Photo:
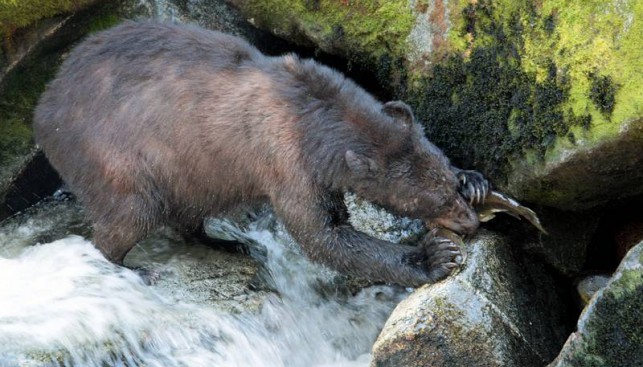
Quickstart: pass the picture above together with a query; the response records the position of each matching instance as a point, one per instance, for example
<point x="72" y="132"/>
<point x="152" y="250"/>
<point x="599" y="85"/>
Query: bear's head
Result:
<point x="403" y="172"/>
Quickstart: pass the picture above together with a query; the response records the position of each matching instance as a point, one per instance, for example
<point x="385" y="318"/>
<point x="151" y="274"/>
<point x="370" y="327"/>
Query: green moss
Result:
<point x="594" y="41"/>
<point x="20" y="13"/>
<point x="482" y="107"/>
<point x="21" y="90"/>
<point x="519" y="87"/>
<point x="360" y="30"/>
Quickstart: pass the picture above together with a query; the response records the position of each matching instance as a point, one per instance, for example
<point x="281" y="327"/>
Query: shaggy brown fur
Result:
<point x="152" y="124"/>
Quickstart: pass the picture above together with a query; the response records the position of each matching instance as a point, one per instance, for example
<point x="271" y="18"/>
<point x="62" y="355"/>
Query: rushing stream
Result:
<point x="62" y="303"/>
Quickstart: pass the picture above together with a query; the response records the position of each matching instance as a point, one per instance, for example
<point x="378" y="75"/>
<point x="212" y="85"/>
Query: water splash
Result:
<point x="63" y="304"/>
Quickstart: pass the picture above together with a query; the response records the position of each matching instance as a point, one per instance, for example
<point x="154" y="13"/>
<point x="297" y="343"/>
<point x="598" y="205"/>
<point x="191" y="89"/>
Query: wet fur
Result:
<point x="152" y="124"/>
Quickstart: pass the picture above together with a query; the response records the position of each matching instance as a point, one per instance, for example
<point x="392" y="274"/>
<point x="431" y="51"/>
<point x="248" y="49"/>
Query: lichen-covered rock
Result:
<point x="543" y="97"/>
<point x="478" y="317"/>
<point x="610" y="329"/>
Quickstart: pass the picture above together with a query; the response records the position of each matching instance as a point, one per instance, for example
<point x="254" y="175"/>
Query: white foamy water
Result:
<point x="62" y="303"/>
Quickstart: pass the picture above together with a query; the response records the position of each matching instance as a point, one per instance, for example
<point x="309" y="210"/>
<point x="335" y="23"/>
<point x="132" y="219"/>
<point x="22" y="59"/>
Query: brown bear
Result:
<point x="153" y="124"/>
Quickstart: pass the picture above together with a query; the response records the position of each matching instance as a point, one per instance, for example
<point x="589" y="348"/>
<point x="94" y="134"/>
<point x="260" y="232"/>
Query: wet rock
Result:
<point x="512" y="89"/>
<point x="33" y="183"/>
<point x="198" y="274"/>
<point x="478" y="317"/>
<point x="610" y="329"/>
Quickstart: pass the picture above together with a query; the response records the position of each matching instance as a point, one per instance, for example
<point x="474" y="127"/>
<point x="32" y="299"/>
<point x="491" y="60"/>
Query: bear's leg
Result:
<point x="320" y="226"/>
<point x="121" y="224"/>
<point x="116" y="240"/>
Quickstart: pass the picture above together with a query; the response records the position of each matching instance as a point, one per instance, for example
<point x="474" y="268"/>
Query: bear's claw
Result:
<point x="442" y="256"/>
<point x="473" y="186"/>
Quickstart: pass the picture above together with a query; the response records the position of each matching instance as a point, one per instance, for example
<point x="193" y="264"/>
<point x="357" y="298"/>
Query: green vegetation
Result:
<point x="20" y="13"/>
<point x="526" y="79"/>
<point x="20" y="92"/>
<point x="360" y="30"/>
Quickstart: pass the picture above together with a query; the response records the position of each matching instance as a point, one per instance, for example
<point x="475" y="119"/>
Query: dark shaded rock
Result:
<point x="610" y="329"/>
<point x="566" y="246"/>
<point x="585" y="177"/>
<point x="477" y="317"/>
<point x="36" y="181"/>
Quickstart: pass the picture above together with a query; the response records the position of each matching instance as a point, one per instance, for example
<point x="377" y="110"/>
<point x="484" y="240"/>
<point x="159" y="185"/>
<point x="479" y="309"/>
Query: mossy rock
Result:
<point x="527" y="92"/>
<point x="16" y="14"/>
<point x="610" y="329"/>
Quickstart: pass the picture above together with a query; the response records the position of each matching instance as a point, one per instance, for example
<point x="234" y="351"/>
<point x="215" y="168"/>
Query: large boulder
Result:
<point x="544" y="97"/>
<point x="502" y="309"/>
<point x="610" y="329"/>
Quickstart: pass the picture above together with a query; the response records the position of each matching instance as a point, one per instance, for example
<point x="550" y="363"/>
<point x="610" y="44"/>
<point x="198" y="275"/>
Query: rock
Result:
<point x="566" y="246"/>
<point x="542" y="97"/>
<point x="190" y="272"/>
<point x="587" y="287"/>
<point x="377" y="222"/>
<point x="628" y="234"/>
<point x="20" y="14"/>
<point x="34" y="182"/>
<point x="478" y="317"/>
<point x="610" y="329"/>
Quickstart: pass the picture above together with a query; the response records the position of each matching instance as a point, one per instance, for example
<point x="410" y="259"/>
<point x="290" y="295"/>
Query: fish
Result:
<point x="497" y="202"/>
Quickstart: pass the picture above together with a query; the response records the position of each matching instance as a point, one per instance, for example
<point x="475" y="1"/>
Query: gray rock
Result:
<point x="377" y="222"/>
<point x="197" y="274"/>
<point x="588" y="287"/>
<point x="500" y="310"/>
<point x="610" y="329"/>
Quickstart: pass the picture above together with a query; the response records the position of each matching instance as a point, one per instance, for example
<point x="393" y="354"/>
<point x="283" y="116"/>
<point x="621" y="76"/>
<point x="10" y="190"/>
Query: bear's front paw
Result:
<point x="442" y="256"/>
<point x="473" y="186"/>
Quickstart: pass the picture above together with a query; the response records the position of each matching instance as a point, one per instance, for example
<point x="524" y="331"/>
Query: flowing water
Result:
<point x="62" y="303"/>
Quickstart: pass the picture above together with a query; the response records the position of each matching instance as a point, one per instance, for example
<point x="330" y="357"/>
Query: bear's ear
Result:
<point x="361" y="165"/>
<point x="400" y="111"/>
